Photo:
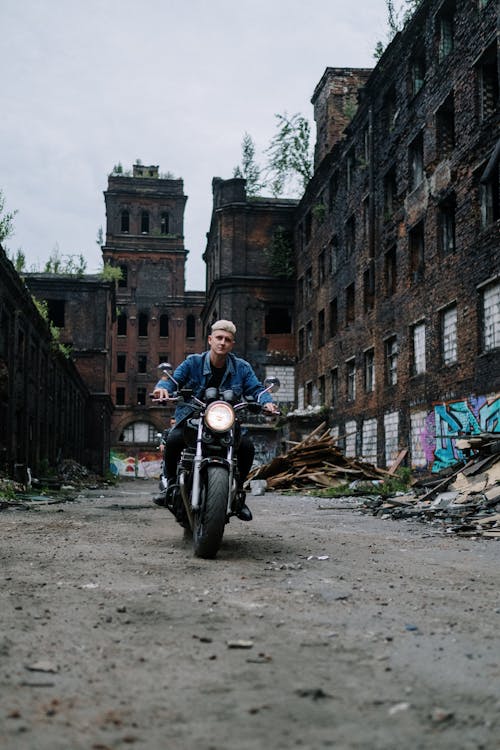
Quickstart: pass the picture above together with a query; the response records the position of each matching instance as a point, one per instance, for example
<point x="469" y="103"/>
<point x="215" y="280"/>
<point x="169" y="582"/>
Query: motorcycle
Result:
<point x="208" y="490"/>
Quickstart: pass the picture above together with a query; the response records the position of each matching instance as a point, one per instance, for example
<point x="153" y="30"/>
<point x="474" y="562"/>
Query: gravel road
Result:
<point x="316" y="627"/>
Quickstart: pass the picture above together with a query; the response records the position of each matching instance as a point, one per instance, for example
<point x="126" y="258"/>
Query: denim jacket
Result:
<point x="195" y="373"/>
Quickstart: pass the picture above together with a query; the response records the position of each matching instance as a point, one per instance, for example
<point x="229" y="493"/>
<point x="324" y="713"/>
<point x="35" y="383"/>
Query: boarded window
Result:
<point x="369" y="441"/>
<point x="449" y="335"/>
<point x="391" y="444"/>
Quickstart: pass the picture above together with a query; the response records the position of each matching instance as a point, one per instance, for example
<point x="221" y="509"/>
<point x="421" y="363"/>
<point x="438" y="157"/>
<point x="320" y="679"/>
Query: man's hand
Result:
<point x="271" y="408"/>
<point x="161" y="394"/>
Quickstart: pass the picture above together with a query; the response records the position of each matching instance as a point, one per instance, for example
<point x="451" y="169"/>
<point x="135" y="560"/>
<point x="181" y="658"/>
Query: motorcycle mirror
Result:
<point x="166" y="368"/>
<point x="272" y="384"/>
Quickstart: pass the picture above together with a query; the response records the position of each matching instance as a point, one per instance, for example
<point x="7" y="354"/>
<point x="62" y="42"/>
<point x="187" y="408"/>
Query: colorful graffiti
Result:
<point x="455" y="419"/>
<point x="142" y="466"/>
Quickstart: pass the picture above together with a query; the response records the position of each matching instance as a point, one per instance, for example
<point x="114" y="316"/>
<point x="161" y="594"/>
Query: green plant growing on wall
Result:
<point x="396" y="21"/>
<point x="6" y="220"/>
<point x="42" y="307"/>
<point x="290" y="153"/>
<point x="111" y="273"/>
<point x="65" y="265"/>
<point x="249" y="168"/>
<point x="280" y="254"/>
<point x="319" y="211"/>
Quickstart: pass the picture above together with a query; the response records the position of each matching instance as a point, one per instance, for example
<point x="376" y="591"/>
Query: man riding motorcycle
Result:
<point x="217" y="368"/>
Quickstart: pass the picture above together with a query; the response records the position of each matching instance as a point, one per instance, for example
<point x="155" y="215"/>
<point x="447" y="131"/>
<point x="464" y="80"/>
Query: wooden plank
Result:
<point x="398" y="460"/>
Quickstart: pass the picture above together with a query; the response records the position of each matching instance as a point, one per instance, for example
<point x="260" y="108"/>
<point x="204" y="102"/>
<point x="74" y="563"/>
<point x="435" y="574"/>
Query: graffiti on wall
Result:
<point x="451" y="420"/>
<point x="143" y="466"/>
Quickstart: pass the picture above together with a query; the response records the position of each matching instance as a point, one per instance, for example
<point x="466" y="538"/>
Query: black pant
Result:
<point x="175" y="444"/>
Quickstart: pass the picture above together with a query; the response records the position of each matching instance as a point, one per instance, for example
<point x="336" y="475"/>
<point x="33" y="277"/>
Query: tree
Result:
<point x="67" y="265"/>
<point x="396" y="21"/>
<point x="249" y="168"/>
<point x="290" y="154"/>
<point x="6" y="220"/>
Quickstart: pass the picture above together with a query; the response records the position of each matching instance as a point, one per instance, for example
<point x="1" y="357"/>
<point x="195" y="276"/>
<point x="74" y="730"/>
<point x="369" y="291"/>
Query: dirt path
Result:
<point x="352" y="632"/>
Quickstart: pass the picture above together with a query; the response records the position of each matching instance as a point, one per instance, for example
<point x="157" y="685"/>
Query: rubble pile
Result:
<point x="464" y="501"/>
<point x="315" y="461"/>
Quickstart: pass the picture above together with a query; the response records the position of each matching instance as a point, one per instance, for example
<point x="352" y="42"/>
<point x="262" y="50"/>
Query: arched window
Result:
<point x="145" y="222"/>
<point x="190" y="327"/>
<point x="164" y="223"/>
<point x="121" y="323"/>
<point x="163" y="325"/>
<point x="139" y="432"/>
<point x="125" y="221"/>
<point x="143" y="324"/>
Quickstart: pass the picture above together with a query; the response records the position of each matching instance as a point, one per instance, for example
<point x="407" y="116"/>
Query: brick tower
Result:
<point x="157" y="320"/>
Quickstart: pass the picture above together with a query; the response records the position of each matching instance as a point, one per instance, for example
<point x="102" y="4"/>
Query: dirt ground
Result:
<point x="316" y="627"/>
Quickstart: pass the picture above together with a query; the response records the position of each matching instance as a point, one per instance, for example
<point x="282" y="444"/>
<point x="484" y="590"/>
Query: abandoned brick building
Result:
<point x="397" y="242"/>
<point x="49" y="409"/>
<point x="157" y="320"/>
<point x="249" y="280"/>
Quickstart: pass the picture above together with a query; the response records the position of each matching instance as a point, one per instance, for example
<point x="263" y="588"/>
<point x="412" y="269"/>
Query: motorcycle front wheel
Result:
<point x="209" y="520"/>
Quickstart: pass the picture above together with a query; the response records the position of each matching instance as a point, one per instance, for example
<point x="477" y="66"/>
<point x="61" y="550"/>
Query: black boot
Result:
<point x="244" y="513"/>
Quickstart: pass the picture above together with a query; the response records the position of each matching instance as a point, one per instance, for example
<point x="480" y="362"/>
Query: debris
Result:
<point x="398" y="707"/>
<point x="465" y="500"/>
<point x="43" y="666"/>
<point x="316" y="460"/>
<point x="240" y="644"/>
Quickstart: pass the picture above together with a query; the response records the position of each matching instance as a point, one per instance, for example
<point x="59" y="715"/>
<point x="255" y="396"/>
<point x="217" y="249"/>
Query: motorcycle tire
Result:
<point x="210" y="519"/>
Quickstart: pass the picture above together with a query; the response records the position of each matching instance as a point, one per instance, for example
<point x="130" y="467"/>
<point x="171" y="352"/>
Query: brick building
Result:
<point x="397" y="242"/>
<point x="47" y="411"/>
<point x="157" y="320"/>
<point x="250" y="277"/>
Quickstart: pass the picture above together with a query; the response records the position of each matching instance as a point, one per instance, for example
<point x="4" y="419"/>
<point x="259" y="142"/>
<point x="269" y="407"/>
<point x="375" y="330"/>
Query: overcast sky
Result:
<point x="90" y="83"/>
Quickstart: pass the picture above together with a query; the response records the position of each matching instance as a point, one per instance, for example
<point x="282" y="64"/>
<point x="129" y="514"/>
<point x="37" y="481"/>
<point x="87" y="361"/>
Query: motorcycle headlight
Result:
<point x="219" y="416"/>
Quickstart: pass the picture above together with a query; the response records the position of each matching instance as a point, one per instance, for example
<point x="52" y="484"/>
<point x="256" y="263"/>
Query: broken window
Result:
<point x="142" y="363"/>
<point x="351" y="379"/>
<point x="321" y="328"/>
<point x="446" y="225"/>
<point x="488" y="83"/>
<point x="445" y="127"/>
<point x="164" y="223"/>
<point x="56" y="312"/>
<point x="445" y="30"/>
<point x="321" y="390"/>
<point x="350" y="236"/>
<point x="278" y="320"/>
<point x="491" y="316"/>
<point x="144" y="222"/>
<point x="300" y="293"/>
<point x="416" y="161"/>
<point x="369" y="370"/>
<point x="163" y="325"/>
<point x="123" y="280"/>
<point x="121" y="362"/>
<point x="309" y="337"/>
<point x="334" y="255"/>
<point x="417" y="72"/>
<point x="390" y="193"/>
<point x="190" y="327"/>
<point x="121" y="324"/>
<point x="334" y="321"/>
<point x="143" y="324"/>
<point x="120" y="396"/>
<point x="390" y="270"/>
<point x="334" y="386"/>
<point x="322" y="267"/>
<point x="369" y="286"/>
<point x="391" y="360"/>
<point x="333" y="186"/>
<point x="349" y="304"/>
<point x="449" y="335"/>
<point x="489" y="191"/>
<point x="125" y="221"/>
<point x="389" y="111"/>
<point x="417" y="257"/>
<point x="418" y="349"/>
<point x="141" y="396"/>
<point x="308" y="285"/>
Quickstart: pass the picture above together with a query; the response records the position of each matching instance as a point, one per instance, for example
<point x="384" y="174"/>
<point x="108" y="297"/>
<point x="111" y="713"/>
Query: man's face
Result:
<point x="221" y="342"/>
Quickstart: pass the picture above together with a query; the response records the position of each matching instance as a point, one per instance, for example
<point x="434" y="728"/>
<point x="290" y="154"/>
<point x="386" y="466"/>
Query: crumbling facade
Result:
<point x="157" y="320"/>
<point x="397" y="243"/>
<point x="250" y="277"/>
